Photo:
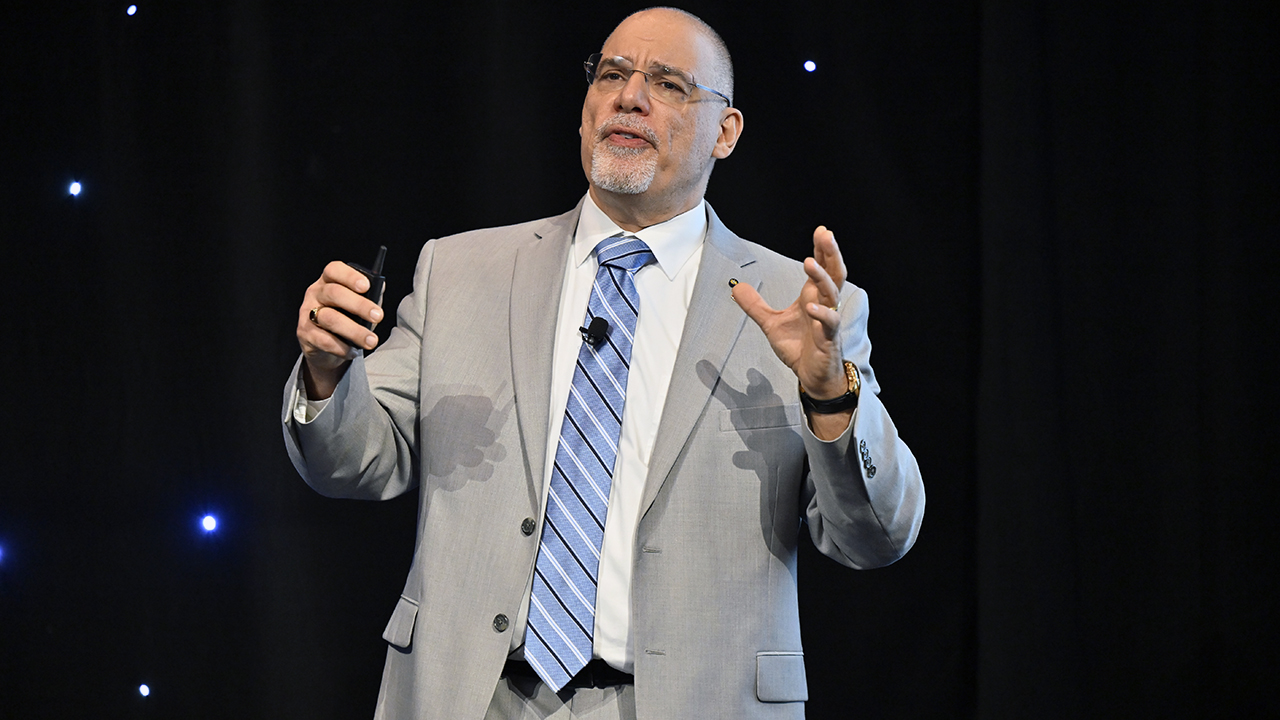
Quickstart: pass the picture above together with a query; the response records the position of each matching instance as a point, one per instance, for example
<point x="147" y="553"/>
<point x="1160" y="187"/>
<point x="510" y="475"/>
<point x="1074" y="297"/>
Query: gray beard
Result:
<point x="627" y="171"/>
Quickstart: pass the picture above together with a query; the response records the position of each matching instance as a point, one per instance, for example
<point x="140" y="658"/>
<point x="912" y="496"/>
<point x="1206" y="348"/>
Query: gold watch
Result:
<point x="847" y="401"/>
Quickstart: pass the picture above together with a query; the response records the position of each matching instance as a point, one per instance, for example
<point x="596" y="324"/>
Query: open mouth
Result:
<point x="627" y="139"/>
<point x="625" y="135"/>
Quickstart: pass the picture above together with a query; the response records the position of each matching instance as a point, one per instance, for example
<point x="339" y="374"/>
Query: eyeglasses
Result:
<point x="672" y="86"/>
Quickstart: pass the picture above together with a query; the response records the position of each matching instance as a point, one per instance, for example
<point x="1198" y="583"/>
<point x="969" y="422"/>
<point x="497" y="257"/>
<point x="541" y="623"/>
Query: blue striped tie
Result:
<point x="562" y="609"/>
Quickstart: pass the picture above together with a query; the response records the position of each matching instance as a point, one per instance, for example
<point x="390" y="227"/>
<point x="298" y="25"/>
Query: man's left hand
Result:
<point x="803" y="335"/>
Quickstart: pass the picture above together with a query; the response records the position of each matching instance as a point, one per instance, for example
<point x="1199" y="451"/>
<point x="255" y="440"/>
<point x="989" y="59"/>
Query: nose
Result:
<point x="634" y="95"/>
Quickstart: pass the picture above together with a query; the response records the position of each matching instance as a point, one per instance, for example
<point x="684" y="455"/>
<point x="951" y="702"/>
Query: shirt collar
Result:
<point x="673" y="242"/>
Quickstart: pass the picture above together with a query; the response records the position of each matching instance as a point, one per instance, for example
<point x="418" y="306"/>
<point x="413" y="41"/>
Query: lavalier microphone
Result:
<point x="594" y="333"/>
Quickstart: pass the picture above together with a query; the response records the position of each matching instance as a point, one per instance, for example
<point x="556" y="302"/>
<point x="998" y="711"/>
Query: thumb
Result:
<point x="751" y="303"/>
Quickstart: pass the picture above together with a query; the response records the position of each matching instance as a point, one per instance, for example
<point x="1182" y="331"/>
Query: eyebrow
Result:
<point x="655" y="63"/>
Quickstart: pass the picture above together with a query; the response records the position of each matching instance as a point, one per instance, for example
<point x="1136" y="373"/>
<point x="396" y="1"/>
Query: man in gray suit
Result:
<point x="610" y="506"/>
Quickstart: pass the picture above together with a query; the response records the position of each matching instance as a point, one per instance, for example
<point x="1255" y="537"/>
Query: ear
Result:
<point x="730" y="131"/>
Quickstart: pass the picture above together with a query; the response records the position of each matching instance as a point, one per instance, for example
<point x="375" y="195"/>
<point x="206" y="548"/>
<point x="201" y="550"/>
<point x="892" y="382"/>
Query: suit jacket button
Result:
<point x="500" y="623"/>
<point x="528" y="526"/>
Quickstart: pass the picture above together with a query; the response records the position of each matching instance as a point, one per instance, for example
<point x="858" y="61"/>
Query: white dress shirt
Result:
<point x="665" y="289"/>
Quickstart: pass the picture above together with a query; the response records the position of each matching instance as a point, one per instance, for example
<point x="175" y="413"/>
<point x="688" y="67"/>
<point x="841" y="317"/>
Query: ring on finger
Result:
<point x="314" y="311"/>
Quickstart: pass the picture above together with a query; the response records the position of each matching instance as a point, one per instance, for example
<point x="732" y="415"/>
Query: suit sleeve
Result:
<point x="362" y="445"/>
<point x="863" y="497"/>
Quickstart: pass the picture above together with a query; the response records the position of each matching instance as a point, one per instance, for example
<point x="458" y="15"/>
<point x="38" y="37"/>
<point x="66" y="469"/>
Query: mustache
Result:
<point x="630" y="123"/>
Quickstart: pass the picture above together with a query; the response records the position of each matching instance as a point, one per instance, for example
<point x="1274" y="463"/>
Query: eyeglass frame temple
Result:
<point x="591" y="78"/>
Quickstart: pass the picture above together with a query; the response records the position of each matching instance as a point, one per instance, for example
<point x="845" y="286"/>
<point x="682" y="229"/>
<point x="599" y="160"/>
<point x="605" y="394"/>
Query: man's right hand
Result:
<point x="329" y="339"/>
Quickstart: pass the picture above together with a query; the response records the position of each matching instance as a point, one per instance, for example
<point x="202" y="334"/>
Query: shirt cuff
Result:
<point x="808" y="426"/>
<point x="305" y="410"/>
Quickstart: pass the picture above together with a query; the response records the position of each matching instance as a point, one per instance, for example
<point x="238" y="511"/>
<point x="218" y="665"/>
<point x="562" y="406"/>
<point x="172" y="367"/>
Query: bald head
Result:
<point x="718" y="72"/>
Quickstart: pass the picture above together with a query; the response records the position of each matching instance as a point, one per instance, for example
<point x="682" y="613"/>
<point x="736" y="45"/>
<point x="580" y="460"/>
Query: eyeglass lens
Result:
<point x="668" y="84"/>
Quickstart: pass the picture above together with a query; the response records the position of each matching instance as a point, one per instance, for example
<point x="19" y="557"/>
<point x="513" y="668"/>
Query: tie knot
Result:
<point x="625" y="252"/>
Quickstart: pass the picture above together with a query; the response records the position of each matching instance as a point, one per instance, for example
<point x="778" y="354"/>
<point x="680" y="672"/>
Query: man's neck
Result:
<point x="632" y="213"/>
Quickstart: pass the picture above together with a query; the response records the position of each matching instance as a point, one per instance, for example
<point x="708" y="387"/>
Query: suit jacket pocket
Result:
<point x="780" y="677"/>
<point x="399" y="630"/>
<point x="760" y="418"/>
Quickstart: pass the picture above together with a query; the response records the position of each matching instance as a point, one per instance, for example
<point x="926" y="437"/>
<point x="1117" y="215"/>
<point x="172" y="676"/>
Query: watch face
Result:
<point x="851" y="372"/>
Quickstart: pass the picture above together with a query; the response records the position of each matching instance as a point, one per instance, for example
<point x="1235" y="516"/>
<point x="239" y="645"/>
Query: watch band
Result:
<point x="847" y="401"/>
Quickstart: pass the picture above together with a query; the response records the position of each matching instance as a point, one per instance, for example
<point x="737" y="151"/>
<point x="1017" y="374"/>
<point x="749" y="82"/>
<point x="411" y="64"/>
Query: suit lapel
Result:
<point x="710" y="330"/>
<point x="535" y="303"/>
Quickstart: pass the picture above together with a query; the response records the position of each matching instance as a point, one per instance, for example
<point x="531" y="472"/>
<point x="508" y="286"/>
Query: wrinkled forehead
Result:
<point x="659" y="37"/>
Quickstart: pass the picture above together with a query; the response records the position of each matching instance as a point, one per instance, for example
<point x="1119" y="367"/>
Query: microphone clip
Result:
<point x="595" y="332"/>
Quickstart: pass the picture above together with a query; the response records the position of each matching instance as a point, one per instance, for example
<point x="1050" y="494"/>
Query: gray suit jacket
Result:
<point x="456" y="403"/>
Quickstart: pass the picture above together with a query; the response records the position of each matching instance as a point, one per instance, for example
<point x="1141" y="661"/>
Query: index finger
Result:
<point x="826" y="252"/>
<point x="343" y="274"/>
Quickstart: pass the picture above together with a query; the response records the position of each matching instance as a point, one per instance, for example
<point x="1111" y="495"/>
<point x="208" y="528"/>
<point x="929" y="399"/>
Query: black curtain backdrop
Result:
<point x="1065" y="215"/>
